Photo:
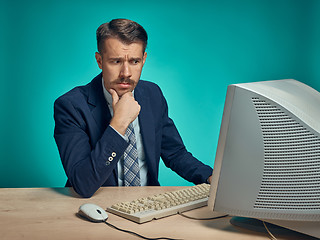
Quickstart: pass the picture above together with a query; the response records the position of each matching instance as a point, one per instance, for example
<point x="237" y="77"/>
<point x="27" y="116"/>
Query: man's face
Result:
<point x="121" y="65"/>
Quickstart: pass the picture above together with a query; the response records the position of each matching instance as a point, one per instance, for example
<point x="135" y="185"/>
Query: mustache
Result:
<point x="124" y="80"/>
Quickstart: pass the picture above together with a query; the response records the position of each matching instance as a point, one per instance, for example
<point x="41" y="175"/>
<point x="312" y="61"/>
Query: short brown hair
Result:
<point x="125" y="30"/>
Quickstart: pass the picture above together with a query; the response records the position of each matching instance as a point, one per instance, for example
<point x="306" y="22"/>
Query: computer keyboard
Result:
<point x="163" y="204"/>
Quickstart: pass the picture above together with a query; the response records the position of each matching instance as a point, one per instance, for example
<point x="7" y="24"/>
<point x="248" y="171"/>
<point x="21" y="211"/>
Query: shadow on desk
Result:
<point x="224" y="224"/>
<point x="286" y="234"/>
<point x="66" y="191"/>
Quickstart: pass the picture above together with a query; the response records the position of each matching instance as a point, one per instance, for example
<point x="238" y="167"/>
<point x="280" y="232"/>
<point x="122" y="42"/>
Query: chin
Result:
<point x="122" y="92"/>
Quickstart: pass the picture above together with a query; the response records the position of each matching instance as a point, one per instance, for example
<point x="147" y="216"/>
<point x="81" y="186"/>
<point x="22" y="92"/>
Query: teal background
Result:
<point x="196" y="48"/>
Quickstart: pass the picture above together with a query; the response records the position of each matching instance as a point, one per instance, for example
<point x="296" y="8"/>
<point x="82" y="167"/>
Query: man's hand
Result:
<point x="210" y="179"/>
<point x="125" y="110"/>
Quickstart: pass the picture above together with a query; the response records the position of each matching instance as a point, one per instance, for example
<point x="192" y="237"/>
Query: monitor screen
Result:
<point x="267" y="162"/>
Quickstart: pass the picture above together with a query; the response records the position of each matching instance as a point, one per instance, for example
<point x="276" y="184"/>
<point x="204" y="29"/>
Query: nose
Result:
<point x="125" y="70"/>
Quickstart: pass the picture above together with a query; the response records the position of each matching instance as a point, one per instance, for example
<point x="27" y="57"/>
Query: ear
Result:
<point x="144" y="57"/>
<point x="99" y="59"/>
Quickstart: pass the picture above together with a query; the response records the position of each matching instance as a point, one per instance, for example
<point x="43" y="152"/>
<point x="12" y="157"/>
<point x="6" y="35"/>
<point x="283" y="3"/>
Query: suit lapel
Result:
<point x="98" y="103"/>
<point x="146" y="123"/>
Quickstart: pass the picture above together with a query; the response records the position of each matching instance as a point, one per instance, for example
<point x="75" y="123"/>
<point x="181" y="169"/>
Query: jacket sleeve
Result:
<point x="87" y="166"/>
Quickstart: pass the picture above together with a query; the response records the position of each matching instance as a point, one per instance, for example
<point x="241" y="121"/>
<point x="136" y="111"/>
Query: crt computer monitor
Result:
<point x="267" y="163"/>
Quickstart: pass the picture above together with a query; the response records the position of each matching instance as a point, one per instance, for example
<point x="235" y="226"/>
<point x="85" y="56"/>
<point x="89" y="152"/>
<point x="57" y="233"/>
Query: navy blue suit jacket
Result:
<point x="86" y="141"/>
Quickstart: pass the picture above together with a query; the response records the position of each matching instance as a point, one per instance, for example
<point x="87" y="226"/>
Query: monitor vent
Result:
<point x="291" y="177"/>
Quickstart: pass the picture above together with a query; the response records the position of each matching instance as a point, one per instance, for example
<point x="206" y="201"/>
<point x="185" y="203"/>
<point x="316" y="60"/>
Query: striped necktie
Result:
<point x="131" y="164"/>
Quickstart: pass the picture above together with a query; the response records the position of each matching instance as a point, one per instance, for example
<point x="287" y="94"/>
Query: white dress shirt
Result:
<point x="140" y="149"/>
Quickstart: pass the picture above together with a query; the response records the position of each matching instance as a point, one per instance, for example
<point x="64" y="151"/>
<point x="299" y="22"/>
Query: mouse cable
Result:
<point x="138" y="235"/>
<point x="194" y="218"/>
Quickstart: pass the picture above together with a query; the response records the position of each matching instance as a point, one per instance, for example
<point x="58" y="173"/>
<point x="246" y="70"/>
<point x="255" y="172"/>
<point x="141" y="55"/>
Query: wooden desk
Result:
<point x="50" y="213"/>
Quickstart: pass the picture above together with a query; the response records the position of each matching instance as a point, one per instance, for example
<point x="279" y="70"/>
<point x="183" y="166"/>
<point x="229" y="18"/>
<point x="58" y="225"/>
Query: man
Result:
<point x="97" y="124"/>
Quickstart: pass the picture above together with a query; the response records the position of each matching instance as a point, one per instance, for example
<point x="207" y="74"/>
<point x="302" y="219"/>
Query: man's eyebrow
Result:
<point x="135" y="58"/>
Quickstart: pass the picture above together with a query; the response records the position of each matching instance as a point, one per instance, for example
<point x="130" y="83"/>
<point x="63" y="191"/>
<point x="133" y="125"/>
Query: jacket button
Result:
<point x="110" y="159"/>
<point x="113" y="154"/>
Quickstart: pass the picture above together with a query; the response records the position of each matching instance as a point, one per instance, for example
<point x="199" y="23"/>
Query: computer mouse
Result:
<point x="92" y="212"/>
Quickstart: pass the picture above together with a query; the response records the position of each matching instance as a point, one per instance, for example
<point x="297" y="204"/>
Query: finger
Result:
<point x="115" y="97"/>
<point x="130" y="94"/>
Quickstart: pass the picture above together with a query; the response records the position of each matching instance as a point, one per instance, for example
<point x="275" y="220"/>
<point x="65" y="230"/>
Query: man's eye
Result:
<point x="135" y="61"/>
<point x="115" y="61"/>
